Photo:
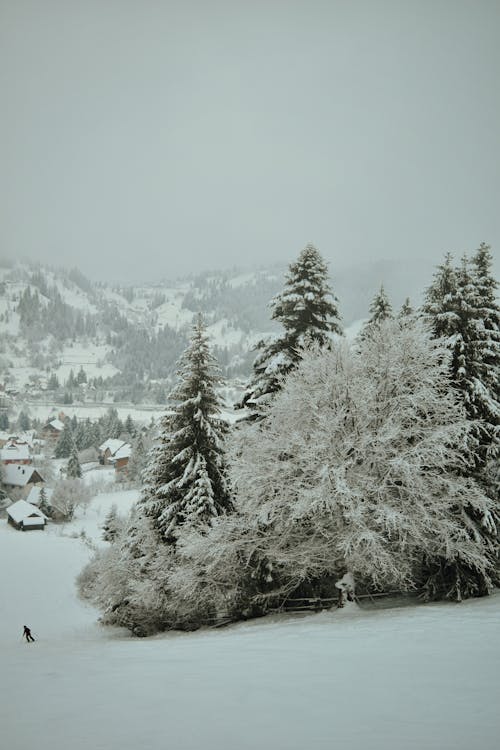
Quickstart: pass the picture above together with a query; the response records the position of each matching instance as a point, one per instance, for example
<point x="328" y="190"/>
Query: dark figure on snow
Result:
<point x="27" y="634"/>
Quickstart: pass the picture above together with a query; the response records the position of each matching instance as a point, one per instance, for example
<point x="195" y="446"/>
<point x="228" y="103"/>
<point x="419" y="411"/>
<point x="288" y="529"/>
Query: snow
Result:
<point x="18" y="475"/>
<point x="395" y="679"/>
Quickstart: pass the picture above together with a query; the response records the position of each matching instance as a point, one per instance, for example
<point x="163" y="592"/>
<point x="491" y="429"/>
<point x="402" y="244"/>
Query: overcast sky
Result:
<point x="147" y="138"/>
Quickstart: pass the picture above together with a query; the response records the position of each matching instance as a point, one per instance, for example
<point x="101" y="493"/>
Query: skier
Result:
<point x="27" y="634"/>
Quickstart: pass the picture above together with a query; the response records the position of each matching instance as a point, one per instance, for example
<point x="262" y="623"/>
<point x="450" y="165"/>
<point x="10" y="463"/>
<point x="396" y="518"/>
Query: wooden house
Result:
<point x="25" y="517"/>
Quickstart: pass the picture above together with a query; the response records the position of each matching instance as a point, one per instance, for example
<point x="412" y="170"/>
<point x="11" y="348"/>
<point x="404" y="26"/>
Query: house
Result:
<point x="121" y="457"/>
<point x="108" y="450"/>
<point x="25" y="517"/>
<point x="33" y="495"/>
<point x="21" y="477"/>
<point x="52" y="431"/>
<point x="14" y="452"/>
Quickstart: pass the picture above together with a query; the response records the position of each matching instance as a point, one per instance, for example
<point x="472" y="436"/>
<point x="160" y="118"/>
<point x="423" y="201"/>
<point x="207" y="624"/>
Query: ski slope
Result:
<point x="413" y="678"/>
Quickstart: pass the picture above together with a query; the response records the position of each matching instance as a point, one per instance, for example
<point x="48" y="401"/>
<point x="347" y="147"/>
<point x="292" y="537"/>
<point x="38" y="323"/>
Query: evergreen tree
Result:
<point x="455" y="307"/>
<point x="81" y="376"/>
<point x="129" y="426"/>
<point x="23" y="421"/>
<point x="65" y="444"/>
<point x="186" y="477"/>
<point x="307" y="310"/>
<point x="4" y="420"/>
<point x="71" y="382"/>
<point x="406" y="309"/>
<point x="380" y="308"/>
<point x="74" y="470"/>
<point x="138" y="459"/>
<point x="111" y="525"/>
<point x="53" y="383"/>
<point x="44" y="504"/>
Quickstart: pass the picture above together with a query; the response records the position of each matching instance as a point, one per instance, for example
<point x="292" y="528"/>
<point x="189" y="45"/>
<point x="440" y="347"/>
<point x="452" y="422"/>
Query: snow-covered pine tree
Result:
<point x="44" y="504"/>
<point x="138" y="459"/>
<point x="380" y="310"/>
<point x="186" y="477"/>
<point x="74" y="470"/>
<point x="406" y="309"/>
<point x="307" y="310"/>
<point x="111" y="524"/>
<point x="455" y="308"/>
<point x="65" y="444"/>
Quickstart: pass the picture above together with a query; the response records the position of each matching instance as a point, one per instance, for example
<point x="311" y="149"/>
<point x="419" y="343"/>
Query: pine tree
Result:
<point x="186" y="477"/>
<point x="53" y="383"/>
<point x="138" y="459"/>
<point x="23" y="421"/>
<point x="307" y="310"/>
<point x="81" y="376"/>
<point x="406" y="309"/>
<point x="44" y="504"/>
<point x="65" y="444"/>
<point x="74" y="470"/>
<point x="455" y="308"/>
<point x="129" y="426"/>
<point x="111" y="525"/>
<point x="380" y="308"/>
<point x="4" y="420"/>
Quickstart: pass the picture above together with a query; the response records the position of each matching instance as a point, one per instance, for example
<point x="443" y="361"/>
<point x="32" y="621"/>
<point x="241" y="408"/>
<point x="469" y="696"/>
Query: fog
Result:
<point x="145" y="138"/>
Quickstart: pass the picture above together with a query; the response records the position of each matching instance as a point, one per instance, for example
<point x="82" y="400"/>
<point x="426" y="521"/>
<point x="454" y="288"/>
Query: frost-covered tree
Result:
<point x="65" y="444"/>
<point x="406" y="310"/>
<point x="111" y="525"/>
<point x="380" y="310"/>
<point x="74" y="470"/>
<point x="307" y="310"/>
<point x="357" y="468"/>
<point x="186" y="476"/>
<point x="68" y="495"/>
<point x="138" y="460"/>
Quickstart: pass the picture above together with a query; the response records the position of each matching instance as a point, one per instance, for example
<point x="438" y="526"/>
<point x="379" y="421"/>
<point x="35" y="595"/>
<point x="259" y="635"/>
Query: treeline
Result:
<point x="378" y="459"/>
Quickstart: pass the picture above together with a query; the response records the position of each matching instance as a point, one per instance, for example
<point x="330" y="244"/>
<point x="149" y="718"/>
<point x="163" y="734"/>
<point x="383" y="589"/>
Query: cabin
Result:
<point x="121" y="458"/>
<point x="21" y="477"/>
<point x="25" y="517"/>
<point x="109" y="449"/>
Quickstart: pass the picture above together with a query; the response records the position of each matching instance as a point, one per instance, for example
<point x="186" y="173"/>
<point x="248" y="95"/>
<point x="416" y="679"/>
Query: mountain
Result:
<point x="77" y="339"/>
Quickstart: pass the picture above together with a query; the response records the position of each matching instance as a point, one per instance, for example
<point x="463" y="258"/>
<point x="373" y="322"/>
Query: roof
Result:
<point x="33" y="521"/>
<point x="56" y="424"/>
<point x="124" y="452"/>
<point x="33" y="496"/>
<point x="13" y="451"/>
<point x="19" y="475"/>
<point x="112" y="445"/>
<point x="21" y="510"/>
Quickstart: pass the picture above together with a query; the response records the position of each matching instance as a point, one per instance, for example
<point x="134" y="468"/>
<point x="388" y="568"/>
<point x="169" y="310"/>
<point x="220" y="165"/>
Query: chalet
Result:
<point x="52" y="431"/>
<point x="21" y="477"/>
<point x="108" y="450"/>
<point x="25" y="517"/>
<point x="15" y="453"/>
<point x="120" y="459"/>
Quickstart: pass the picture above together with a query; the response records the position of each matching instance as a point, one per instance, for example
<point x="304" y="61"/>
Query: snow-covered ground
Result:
<point x="422" y="678"/>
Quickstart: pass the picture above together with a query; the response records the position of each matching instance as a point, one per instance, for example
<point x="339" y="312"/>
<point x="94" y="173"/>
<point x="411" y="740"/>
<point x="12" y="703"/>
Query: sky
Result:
<point x="156" y="138"/>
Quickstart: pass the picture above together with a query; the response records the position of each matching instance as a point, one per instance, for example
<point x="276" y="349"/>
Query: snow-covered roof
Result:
<point x="13" y="451"/>
<point x="124" y="452"/>
<point x="21" y="510"/>
<point x="18" y="475"/>
<point x="33" y="496"/>
<point x="112" y="445"/>
<point x="33" y="520"/>
<point x="56" y="424"/>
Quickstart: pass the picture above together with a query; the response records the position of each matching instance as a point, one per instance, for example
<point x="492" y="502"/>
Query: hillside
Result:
<point x="410" y="677"/>
<point x="68" y="340"/>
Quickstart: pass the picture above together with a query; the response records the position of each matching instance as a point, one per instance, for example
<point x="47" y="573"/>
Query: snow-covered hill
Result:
<point x="397" y="679"/>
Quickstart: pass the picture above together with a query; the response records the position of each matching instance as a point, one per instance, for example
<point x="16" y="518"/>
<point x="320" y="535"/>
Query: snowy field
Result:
<point x="422" y="678"/>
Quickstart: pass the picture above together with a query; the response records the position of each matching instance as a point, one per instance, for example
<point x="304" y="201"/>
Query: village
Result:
<point x="45" y="476"/>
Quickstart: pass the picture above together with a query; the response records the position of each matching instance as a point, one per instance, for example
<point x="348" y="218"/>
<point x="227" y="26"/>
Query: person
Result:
<point x="27" y="634"/>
